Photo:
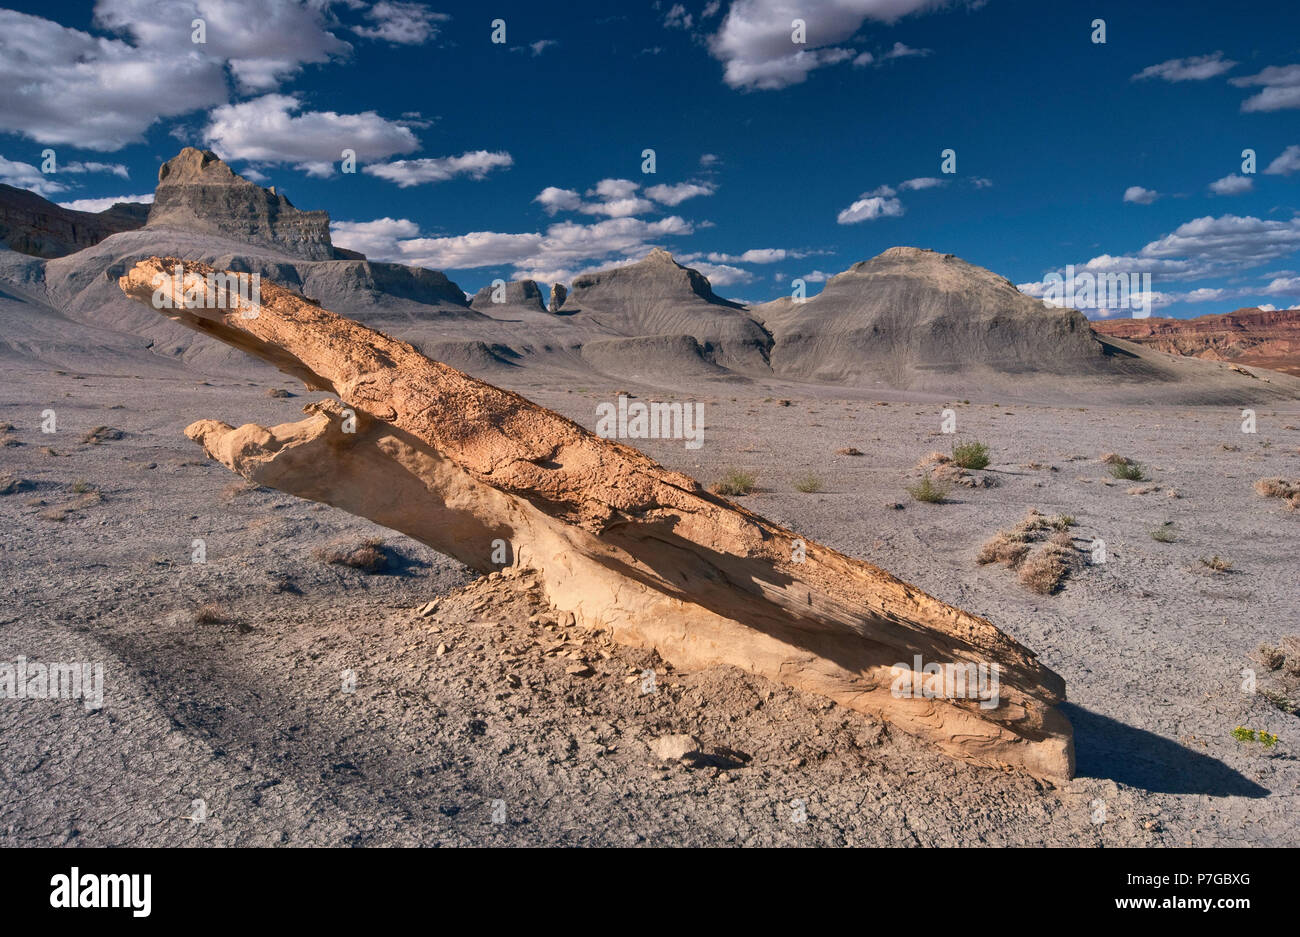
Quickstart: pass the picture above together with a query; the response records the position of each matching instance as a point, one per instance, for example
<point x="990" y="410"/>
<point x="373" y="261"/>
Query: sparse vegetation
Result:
<point x="1006" y="547"/>
<point x="1165" y="533"/>
<point x="368" y="556"/>
<point x="1280" y="684"/>
<point x="278" y="393"/>
<point x="209" y="614"/>
<point x="102" y="434"/>
<point x="1216" y="564"/>
<point x="929" y="491"/>
<point x="848" y="450"/>
<point x="971" y="455"/>
<point x="1128" y="471"/>
<point x="735" y="482"/>
<point x="809" y="484"/>
<point x="1043" y="570"/>
<point x="1242" y="734"/>
<point x="11" y="484"/>
<point x="1288" y="491"/>
<point x="241" y="487"/>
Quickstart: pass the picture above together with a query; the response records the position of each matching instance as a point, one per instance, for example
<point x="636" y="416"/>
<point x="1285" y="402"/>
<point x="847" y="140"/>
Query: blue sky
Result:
<point x="774" y="159"/>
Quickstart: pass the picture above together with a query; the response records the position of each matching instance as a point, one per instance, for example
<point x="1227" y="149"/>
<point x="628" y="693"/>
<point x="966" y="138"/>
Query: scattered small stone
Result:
<point x="674" y="747"/>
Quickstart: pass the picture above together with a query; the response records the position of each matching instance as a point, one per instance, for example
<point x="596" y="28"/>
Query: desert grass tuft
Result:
<point x="368" y="556"/>
<point x="102" y="434"/>
<point x="735" y="482"/>
<point x="809" y="485"/>
<point x="1128" y="471"/>
<point x="929" y="491"/>
<point x="971" y="455"/>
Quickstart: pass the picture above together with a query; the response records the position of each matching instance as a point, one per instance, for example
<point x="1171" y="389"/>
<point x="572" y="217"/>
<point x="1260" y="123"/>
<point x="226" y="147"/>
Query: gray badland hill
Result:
<point x="658" y="297"/>
<point x="916" y="319"/>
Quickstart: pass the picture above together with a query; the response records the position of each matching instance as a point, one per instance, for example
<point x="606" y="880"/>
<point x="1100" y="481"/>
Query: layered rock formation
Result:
<point x="623" y="544"/>
<point x="558" y="295"/>
<point x="1256" y="337"/>
<point x="198" y="192"/>
<point x="33" y="225"/>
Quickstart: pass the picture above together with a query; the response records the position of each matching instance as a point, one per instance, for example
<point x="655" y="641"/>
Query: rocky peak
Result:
<point x="558" y="295"/>
<point x="657" y="275"/>
<point x="525" y="293"/>
<point x="197" y="191"/>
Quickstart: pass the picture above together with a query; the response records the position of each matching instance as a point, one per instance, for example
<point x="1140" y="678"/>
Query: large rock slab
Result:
<point x="625" y="545"/>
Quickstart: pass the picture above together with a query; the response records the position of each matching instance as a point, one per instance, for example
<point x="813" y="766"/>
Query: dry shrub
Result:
<point x="1290" y="648"/>
<point x="1288" y="491"/>
<point x="102" y="434"/>
<point x="241" y="487"/>
<point x="209" y="614"/>
<point x="368" y="556"/>
<point x="1044" y="571"/>
<point x="1003" y="547"/>
<point x="11" y="484"/>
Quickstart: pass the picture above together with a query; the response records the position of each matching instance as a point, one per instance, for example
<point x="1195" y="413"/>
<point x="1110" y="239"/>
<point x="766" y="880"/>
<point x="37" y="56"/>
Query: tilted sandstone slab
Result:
<point x="627" y="546"/>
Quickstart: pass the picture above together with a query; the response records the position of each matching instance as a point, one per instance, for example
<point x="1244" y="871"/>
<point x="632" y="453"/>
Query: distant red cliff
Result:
<point x="1254" y="337"/>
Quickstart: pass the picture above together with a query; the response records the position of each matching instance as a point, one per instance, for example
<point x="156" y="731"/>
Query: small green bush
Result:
<point x="735" y="482"/>
<point x="1128" y="471"/>
<point x="809" y="484"/>
<point x="929" y="491"/>
<point x="970" y="455"/>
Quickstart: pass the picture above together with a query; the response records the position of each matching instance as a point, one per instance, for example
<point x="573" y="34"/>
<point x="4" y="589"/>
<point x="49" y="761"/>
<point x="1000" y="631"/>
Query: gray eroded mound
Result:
<point x="910" y="310"/>
<point x="658" y="296"/>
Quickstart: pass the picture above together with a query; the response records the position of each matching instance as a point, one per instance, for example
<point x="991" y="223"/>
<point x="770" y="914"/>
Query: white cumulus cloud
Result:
<point x="1139" y="195"/>
<point x="1232" y="184"/>
<point x="410" y="172"/>
<point x="270" y="130"/>
<point x="1192" y="68"/>
<point x="754" y="41"/>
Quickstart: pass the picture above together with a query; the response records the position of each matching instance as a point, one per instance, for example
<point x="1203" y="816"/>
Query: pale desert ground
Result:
<point x="245" y="710"/>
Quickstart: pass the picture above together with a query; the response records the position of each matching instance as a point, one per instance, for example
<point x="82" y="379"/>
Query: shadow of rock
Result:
<point x="1105" y="748"/>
